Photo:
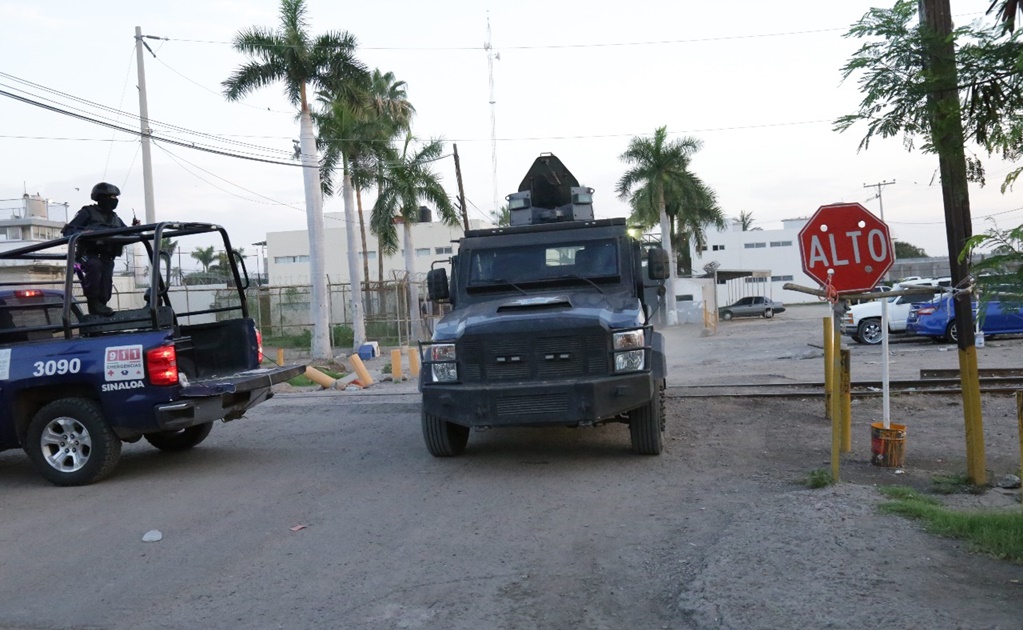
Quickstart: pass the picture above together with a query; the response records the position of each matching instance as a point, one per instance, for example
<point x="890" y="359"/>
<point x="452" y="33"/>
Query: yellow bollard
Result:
<point x="413" y="362"/>
<point x="845" y="404"/>
<point x="396" y="373"/>
<point x="319" y="377"/>
<point x="360" y="368"/>
<point x="280" y="356"/>
<point x="829" y="348"/>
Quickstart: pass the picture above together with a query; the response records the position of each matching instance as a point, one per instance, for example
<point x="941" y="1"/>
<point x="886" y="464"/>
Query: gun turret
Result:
<point x="549" y="193"/>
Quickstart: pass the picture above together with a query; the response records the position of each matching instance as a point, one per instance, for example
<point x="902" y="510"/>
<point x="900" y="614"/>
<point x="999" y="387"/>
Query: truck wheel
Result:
<point x="646" y="425"/>
<point x="869" y="332"/>
<point x="70" y="443"/>
<point x="180" y="440"/>
<point x="726" y="315"/>
<point x="443" y="438"/>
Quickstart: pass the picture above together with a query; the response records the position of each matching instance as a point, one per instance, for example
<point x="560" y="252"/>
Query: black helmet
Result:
<point x="104" y="189"/>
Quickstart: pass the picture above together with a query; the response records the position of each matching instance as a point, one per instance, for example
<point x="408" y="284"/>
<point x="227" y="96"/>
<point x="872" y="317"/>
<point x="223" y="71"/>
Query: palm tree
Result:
<point x="658" y="163"/>
<point x="205" y="256"/>
<point x="746" y="220"/>
<point x="502" y="217"/>
<point x="291" y="55"/>
<point x="407" y="182"/>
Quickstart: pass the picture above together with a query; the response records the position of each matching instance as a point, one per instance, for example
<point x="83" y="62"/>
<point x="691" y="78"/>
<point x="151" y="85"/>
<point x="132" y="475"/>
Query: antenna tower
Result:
<point x="491" y="56"/>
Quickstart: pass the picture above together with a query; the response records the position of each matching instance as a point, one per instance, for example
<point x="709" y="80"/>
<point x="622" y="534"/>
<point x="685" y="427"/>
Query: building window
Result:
<point x="781" y="278"/>
<point x="442" y="250"/>
<point x="703" y="248"/>
<point x="752" y="280"/>
<point x="718" y="248"/>
<point x="422" y="251"/>
<point x="285" y="260"/>
<point x="754" y="245"/>
<point x="369" y="255"/>
<point x="684" y="298"/>
<point x="781" y="243"/>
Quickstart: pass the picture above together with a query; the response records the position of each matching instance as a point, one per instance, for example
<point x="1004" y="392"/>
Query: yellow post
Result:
<point x="828" y="364"/>
<point x="836" y="413"/>
<point x="976" y="468"/>
<point x="845" y="389"/>
<point x="396" y="372"/>
<point x="413" y="362"/>
<point x="319" y="377"/>
<point x="1019" y="419"/>
<point x="360" y="368"/>
<point x="280" y="356"/>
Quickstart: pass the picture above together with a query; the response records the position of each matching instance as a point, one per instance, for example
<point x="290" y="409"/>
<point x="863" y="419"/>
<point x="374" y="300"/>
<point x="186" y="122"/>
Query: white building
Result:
<point x="772" y="256"/>
<point x="287" y="253"/>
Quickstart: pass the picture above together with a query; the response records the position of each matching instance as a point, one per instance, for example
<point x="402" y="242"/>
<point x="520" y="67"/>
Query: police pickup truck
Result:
<point x="551" y="323"/>
<point x="74" y="386"/>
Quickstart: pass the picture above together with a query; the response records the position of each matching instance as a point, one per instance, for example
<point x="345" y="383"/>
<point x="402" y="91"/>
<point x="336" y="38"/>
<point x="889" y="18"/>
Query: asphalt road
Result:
<point x="324" y="510"/>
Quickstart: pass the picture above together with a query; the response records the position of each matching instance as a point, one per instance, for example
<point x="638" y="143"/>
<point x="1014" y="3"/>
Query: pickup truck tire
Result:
<point x="70" y="443"/>
<point x="443" y="438"/>
<point x="869" y="332"/>
<point x="726" y="315"/>
<point x="646" y="425"/>
<point x="180" y="440"/>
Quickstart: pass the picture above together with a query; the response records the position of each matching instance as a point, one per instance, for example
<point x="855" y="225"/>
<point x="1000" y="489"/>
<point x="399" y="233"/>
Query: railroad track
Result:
<point x="992" y="381"/>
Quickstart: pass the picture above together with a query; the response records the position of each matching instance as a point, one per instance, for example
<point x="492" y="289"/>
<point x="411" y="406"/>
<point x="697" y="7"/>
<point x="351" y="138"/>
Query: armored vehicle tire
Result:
<point x="180" y="440"/>
<point x="726" y="315"/>
<point x="70" y="443"/>
<point x="869" y="332"/>
<point x="443" y="438"/>
<point x="768" y="313"/>
<point x="646" y="425"/>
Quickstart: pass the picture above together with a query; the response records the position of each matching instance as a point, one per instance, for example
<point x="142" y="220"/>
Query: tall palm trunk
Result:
<point x="670" y="314"/>
<point x="319" y="309"/>
<point x="354" y="270"/>
<point x="413" y="288"/>
<point x="365" y="249"/>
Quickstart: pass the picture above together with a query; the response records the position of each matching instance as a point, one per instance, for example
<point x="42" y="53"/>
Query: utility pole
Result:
<point x="880" y="201"/>
<point x="947" y="138"/>
<point x="461" y="191"/>
<point x="491" y="56"/>
<point x="147" y="159"/>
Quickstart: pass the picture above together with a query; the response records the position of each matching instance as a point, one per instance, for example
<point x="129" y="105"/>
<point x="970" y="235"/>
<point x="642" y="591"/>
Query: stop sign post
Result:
<point x="845" y="246"/>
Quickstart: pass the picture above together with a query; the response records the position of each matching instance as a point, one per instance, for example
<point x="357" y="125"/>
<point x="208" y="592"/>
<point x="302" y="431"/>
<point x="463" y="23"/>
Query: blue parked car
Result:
<point x="937" y="319"/>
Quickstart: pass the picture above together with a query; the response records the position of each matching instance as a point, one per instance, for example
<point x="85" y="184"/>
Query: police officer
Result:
<point x="97" y="259"/>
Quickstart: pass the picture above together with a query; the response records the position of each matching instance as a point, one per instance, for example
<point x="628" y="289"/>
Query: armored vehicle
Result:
<point x="550" y="323"/>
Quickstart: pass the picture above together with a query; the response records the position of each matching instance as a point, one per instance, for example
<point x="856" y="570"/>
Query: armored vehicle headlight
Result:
<point x="630" y="355"/>
<point x="442" y="357"/>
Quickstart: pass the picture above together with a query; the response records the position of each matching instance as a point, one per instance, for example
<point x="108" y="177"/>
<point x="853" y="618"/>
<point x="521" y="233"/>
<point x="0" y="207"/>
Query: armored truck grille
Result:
<point x="526" y="405"/>
<point x="496" y="358"/>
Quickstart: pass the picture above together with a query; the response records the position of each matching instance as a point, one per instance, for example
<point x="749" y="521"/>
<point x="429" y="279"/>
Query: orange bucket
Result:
<point x="888" y="446"/>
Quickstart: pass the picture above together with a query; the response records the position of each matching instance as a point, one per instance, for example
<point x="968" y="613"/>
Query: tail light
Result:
<point x="162" y="365"/>
<point x="28" y="293"/>
<point x="925" y="310"/>
<point x="259" y="346"/>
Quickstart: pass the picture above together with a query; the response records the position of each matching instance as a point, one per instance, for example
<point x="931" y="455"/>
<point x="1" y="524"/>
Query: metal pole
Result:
<point x="461" y="191"/>
<point x="886" y="405"/>
<point x="147" y="160"/>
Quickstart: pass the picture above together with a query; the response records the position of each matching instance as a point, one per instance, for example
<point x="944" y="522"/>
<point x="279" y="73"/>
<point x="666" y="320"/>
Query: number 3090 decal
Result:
<point x="63" y="366"/>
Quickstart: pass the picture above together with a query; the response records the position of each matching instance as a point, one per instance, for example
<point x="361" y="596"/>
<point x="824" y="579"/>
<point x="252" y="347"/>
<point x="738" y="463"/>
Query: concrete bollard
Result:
<point x="319" y="377"/>
<point x="280" y="356"/>
<point x="396" y="373"/>
<point x="413" y="362"/>
<point x="360" y="368"/>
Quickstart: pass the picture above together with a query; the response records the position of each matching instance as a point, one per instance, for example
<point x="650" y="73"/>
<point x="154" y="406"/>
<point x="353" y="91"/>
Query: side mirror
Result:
<point x="437" y="285"/>
<point x="657" y="264"/>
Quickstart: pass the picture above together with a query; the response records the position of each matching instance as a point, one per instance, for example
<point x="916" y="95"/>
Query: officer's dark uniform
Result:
<point x="97" y="261"/>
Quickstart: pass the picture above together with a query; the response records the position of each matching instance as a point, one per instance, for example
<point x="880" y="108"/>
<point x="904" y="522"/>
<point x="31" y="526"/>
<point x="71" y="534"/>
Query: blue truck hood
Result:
<point x="542" y="311"/>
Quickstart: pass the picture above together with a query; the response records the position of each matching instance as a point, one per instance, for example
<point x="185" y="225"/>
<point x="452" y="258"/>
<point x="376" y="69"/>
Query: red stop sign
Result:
<point x="847" y="242"/>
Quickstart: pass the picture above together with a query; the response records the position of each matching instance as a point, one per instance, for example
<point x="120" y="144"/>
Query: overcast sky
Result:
<point x="758" y="83"/>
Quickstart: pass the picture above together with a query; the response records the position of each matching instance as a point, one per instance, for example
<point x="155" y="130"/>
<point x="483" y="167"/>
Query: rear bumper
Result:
<point x="538" y="404"/>
<point x="227" y="397"/>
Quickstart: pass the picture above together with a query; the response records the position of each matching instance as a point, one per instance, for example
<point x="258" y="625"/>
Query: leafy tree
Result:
<point x="1000" y="271"/>
<point x="691" y="210"/>
<point x="502" y="217"/>
<point x="906" y="250"/>
<point x="406" y="183"/>
<point x="291" y="55"/>
<point x="659" y="163"/>
<point x="205" y="256"/>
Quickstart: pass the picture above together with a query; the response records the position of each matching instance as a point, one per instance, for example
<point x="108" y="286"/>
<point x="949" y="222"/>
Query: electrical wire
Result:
<point x="124" y="88"/>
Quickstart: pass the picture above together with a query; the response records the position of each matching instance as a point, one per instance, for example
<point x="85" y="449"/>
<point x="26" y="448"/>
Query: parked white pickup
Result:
<point x="863" y="321"/>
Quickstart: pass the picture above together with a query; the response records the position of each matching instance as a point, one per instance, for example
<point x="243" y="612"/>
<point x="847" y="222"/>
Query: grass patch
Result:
<point x="997" y="533"/>
<point x="819" y="478"/>
<point x="953" y="484"/>
<point x="301" y="341"/>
